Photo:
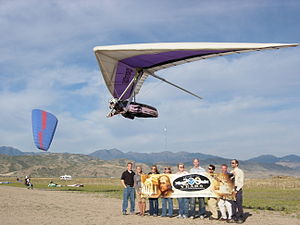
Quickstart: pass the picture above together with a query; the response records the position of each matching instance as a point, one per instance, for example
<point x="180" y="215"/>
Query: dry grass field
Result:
<point x="274" y="194"/>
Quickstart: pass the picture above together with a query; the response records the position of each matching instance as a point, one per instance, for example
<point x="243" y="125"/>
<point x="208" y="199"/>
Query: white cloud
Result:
<point x="250" y="101"/>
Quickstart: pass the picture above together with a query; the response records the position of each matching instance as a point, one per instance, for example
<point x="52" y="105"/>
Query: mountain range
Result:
<point x="151" y="158"/>
<point x="292" y="161"/>
<point x="110" y="162"/>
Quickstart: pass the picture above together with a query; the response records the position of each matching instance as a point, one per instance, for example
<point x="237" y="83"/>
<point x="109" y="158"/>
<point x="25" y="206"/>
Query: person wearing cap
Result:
<point x="198" y="170"/>
<point x="237" y="205"/>
<point x="128" y="191"/>
<point x="167" y="203"/>
<point x="212" y="202"/>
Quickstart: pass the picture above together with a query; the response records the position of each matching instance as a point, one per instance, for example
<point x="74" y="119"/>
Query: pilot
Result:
<point x="116" y="106"/>
<point x="112" y="103"/>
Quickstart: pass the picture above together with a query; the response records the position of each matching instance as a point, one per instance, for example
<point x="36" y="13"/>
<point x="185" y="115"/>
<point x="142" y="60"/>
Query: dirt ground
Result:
<point x="22" y="206"/>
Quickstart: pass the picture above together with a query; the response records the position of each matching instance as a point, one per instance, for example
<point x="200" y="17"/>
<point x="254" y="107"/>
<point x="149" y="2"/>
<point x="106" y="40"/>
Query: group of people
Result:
<point x="231" y="209"/>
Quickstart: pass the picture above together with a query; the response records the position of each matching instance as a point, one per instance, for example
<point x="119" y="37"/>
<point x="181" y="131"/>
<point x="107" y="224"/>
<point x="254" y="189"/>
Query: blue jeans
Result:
<point x="153" y="206"/>
<point x="183" y="206"/>
<point x="128" y="192"/>
<point x="165" y="202"/>
<point x="201" y="206"/>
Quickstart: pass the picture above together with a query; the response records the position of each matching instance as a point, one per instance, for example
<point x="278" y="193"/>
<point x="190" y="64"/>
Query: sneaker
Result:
<point x="192" y="217"/>
<point x="179" y="216"/>
<point x="222" y="219"/>
<point x="201" y="217"/>
<point x="231" y="221"/>
<point x="184" y="217"/>
<point x="155" y="215"/>
<point x="124" y="213"/>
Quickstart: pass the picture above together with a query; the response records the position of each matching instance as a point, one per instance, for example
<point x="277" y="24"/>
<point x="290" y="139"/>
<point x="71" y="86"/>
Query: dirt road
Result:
<point x="32" y="207"/>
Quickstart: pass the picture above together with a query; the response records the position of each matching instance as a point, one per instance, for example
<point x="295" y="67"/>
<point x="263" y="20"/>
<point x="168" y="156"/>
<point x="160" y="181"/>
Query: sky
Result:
<point x="251" y="102"/>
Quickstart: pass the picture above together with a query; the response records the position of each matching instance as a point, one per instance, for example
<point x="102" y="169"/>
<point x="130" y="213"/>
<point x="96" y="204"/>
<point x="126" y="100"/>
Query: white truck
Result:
<point x="65" y="177"/>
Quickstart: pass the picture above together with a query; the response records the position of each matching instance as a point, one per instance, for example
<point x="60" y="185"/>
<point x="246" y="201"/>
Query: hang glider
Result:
<point x="126" y="67"/>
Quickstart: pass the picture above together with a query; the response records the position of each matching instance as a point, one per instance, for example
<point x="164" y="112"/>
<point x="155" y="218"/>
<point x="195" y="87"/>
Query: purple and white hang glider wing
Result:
<point x="122" y="64"/>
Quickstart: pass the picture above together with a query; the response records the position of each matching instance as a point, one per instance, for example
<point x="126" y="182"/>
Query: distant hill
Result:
<point x="290" y="158"/>
<point x="291" y="161"/>
<point x="274" y="159"/>
<point x="166" y="157"/>
<point x="6" y="150"/>
<point x="10" y="151"/>
<point x="57" y="164"/>
<point x="264" y="159"/>
<point x="109" y="154"/>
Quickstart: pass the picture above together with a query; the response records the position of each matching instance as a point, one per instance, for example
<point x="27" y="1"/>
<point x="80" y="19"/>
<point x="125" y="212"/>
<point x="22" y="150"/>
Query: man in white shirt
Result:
<point x="197" y="169"/>
<point x="237" y="205"/>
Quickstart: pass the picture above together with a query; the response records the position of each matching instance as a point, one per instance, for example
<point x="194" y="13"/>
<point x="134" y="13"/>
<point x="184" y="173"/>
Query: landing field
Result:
<point x="267" y="201"/>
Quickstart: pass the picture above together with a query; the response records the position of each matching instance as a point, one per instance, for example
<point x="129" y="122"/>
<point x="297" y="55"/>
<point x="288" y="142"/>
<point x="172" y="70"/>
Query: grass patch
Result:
<point x="109" y="187"/>
<point x="274" y="194"/>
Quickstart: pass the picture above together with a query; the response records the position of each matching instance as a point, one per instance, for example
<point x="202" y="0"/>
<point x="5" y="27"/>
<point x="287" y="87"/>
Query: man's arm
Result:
<point x="241" y="180"/>
<point x="123" y="183"/>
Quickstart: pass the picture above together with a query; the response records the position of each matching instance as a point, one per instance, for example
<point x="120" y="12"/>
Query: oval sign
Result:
<point x="191" y="182"/>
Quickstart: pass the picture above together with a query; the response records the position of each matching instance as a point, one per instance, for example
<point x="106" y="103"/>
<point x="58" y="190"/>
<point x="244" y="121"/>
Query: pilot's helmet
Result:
<point x="113" y="101"/>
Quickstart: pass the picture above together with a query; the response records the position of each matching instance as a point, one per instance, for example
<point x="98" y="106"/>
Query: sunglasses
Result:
<point x="233" y="163"/>
<point x="210" y="169"/>
<point x="167" y="168"/>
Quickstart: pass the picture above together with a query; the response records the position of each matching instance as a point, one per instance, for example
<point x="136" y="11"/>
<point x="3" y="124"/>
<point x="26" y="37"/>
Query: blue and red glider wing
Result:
<point x="43" y="128"/>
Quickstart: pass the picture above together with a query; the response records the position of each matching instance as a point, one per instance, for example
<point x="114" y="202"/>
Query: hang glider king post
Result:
<point x="126" y="67"/>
